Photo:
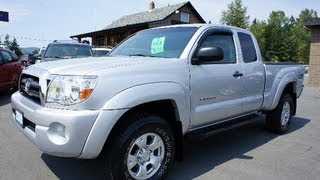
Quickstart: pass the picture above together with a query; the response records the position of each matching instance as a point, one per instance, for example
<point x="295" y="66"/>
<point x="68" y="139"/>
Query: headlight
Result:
<point x="69" y="90"/>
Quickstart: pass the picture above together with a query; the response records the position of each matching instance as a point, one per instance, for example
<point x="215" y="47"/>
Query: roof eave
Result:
<point x="312" y="22"/>
<point x="93" y="33"/>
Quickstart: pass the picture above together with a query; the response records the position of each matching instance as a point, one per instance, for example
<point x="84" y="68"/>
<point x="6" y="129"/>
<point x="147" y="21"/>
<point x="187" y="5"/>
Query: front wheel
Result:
<point x="278" y="120"/>
<point x="143" y="150"/>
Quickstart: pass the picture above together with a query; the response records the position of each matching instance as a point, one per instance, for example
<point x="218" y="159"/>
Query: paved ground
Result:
<point x="248" y="152"/>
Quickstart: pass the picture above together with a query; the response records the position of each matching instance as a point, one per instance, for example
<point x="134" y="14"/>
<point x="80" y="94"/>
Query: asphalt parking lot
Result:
<point x="248" y="152"/>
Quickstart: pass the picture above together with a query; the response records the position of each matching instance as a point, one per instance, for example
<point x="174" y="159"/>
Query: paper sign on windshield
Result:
<point x="157" y="45"/>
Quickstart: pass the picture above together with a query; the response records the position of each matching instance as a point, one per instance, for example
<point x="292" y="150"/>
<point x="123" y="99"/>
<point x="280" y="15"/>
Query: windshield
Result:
<point x="164" y="42"/>
<point x="67" y="51"/>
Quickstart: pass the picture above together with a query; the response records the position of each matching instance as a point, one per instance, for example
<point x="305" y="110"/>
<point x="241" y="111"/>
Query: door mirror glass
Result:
<point x="208" y="54"/>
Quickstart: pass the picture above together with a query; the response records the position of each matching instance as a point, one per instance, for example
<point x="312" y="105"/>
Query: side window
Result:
<point x="6" y="56"/>
<point x="249" y="53"/>
<point x="224" y="41"/>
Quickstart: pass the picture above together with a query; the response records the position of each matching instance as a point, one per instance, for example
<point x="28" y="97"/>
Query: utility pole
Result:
<point x="41" y="41"/>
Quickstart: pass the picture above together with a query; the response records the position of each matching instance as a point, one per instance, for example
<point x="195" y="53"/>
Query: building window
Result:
<point x="185" y="17"/>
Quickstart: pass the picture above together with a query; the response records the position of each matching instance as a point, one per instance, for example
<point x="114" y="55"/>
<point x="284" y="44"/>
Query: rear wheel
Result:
<point x="143" y="150"/>
<point x="278" y="119"/>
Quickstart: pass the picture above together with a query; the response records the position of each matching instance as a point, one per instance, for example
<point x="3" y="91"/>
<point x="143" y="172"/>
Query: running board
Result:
<point x="221" y="127"/>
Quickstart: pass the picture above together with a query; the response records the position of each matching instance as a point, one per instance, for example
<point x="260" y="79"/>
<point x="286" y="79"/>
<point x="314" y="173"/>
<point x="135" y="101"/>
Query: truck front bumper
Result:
<point x="56" y="131"/>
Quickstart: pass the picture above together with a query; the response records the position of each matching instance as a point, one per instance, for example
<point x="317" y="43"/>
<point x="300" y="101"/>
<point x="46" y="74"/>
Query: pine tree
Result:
<point x="236" y="15"/>
<point x="14" y="46"/>
<point x="7" y="40"/>
<point x="258" y="30"/>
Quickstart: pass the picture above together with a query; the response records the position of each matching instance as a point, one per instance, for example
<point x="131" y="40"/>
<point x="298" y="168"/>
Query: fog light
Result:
<point x="57" y="133"/>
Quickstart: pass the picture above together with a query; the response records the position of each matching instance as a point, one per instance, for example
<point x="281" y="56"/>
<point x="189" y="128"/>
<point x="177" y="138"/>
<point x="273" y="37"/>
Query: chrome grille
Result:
<point x="30" y="88"/>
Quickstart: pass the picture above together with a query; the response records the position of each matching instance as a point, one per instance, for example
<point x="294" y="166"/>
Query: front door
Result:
<point x="216" y="87"/>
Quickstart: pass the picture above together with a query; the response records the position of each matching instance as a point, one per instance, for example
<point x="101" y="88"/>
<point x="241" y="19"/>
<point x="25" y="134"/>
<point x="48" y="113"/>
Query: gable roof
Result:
<point x="150" y="16"/>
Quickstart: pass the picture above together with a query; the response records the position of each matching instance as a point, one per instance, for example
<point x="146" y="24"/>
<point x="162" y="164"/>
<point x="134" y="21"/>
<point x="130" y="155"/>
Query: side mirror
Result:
<point x="208" y="54"/>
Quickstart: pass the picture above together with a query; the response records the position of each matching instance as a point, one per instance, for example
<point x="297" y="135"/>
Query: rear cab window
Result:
<point x="248" y="49"/>
<point x="6" y="56"/>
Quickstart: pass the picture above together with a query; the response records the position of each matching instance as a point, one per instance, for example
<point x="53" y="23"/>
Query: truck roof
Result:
<point x="199" y="25"/>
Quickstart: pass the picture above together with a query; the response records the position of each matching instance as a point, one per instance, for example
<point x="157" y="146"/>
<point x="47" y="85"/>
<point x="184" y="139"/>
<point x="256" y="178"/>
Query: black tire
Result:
<point x="273" y="121"/>
<point x="121" y="145"/>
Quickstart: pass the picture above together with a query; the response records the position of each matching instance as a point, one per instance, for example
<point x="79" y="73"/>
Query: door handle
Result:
<point x="237" y="74"/>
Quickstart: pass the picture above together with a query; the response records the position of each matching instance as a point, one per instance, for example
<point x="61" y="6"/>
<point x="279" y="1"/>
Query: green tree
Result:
<point x="7" y="40"/>
<point x="276" y="34"/>
<point x="258" y="30"/>
<point x="236" y="15"/>
<point x="14" y="46"/>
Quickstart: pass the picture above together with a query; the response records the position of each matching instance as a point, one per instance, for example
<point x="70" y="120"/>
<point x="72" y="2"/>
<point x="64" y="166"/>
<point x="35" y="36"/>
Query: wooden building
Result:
<point x="182" y="13"/>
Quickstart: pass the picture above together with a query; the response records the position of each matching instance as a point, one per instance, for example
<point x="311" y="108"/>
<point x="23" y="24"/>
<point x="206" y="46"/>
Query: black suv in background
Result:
<point x="58" y="51"/>
<point x="29" y="59"/>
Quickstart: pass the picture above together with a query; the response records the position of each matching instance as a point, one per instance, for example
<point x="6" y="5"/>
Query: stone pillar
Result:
<point x="314" y="63"/>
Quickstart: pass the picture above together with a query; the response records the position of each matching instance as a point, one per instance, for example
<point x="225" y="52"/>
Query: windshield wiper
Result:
<point x="62" y="57"/>
<point x="142" y="55"/>
<point x="54" y="57"/>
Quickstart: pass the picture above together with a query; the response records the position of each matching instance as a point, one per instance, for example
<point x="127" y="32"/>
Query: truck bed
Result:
<point x="276" y="75"/>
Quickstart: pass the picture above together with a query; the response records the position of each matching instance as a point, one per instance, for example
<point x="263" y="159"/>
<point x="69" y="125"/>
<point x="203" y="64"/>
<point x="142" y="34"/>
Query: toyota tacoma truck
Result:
<point x="136" y="106"/>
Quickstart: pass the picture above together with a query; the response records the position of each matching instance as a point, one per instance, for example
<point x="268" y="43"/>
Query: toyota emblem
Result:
<point x="27" y="85"/>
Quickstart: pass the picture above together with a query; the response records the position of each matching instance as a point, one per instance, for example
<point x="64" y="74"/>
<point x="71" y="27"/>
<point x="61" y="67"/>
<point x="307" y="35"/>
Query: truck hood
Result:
<point x="94" y="65"/>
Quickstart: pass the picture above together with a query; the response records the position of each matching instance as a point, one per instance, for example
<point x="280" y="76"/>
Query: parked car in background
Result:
<point x="101" y="51"/>
<point x="58" y="51"/>
<point x="10" y="69"/>
<point x="30" y="59"/>
<point x="306" y="69"/>
<point x="41" y="52"/>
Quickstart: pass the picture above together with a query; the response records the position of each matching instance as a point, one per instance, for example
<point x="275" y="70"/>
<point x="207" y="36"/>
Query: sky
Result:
<point x="42" y="21"/>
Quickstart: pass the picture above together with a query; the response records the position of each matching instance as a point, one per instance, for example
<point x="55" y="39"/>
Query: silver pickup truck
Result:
<point x="159" y="86"/>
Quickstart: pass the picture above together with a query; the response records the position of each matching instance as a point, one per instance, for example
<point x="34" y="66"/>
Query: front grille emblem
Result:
<point x="27" y="86"/>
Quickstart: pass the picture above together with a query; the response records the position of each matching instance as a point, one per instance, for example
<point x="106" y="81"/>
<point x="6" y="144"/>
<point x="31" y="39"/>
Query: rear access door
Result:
<point x="253" y="74"/>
